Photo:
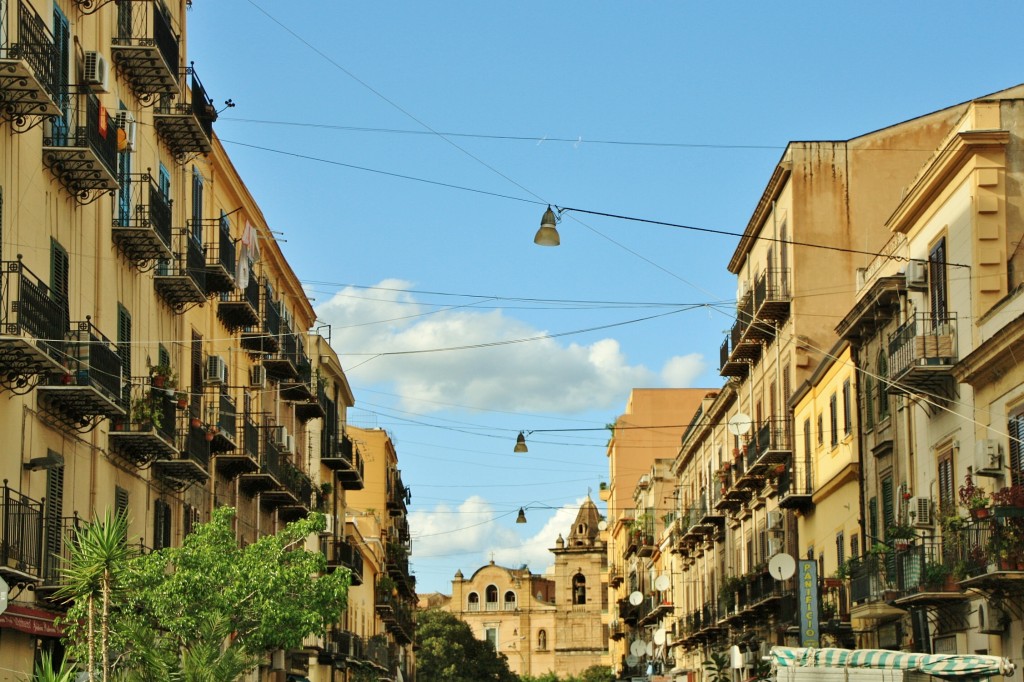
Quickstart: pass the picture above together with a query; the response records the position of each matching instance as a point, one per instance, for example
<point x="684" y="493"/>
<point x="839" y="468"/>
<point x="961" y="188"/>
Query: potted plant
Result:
<point x="162" y="376"/>
<point x="975" y="498"/>
<point x="145" y="413"/>
<point x="934" y="576"/>
<point x="902" y="536"/>
<point x="1008" y="502"/>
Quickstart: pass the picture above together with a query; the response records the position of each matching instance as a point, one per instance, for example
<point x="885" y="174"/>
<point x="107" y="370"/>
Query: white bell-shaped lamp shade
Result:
<point x="547" y="235"/>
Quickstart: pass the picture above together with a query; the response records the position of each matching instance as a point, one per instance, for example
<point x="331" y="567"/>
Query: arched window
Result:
<point x="579" y="589"/>
<point x="492" y="597"/>
<point x="510" y="601"/>
<point x="474" y="602"/>
<point x="542" y="640"/>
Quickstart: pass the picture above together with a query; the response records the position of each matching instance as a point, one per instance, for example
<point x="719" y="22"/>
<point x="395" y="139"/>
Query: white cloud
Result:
<point x="682" y="371"/>
<point x="473" y="529"/>
<point x="543" y="375"/>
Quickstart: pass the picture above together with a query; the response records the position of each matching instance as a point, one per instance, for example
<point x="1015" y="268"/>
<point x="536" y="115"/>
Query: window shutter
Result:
<point x="197" y="374"/>
<point x="840" y="548"/>
<point x="121" y="502"/>
<point x="124" y="341"/>
<point x="937" y="282"/>
<point x="873" y="520"/>
<point x="54" y="518"/>
<point x="1015" y="428"/>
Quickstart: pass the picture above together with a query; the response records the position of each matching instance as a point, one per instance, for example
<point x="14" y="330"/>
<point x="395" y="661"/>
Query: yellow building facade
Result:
<point x="155" y="344"/>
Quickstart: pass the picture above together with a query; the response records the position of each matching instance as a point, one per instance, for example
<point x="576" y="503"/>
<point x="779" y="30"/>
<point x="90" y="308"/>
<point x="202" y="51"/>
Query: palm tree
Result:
<point x="97" y="552"/>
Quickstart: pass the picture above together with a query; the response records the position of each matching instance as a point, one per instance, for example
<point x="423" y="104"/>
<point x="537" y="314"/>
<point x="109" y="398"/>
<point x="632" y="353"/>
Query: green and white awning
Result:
<point x="940" y="665"/>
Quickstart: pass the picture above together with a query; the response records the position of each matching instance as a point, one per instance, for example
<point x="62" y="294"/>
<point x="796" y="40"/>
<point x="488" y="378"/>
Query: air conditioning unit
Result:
<point x="991" y="618"/>
<point x="281" y="436"/>
<point x="988" y="457"/>
<point x="331" y="648"/>
<point x="329" y="528"/>
<point x="917" y="274"/>
<point x="96" y="71"/>
<point x="277" y="659"/>
<point x="775" y="520"/>
<point x="125" y="121"/>
<point x="774" y="546"/>
<point x="289" y="444"/>
<point x="216" y="371"/>
<point x="741" y="290"/>
<point x="257" y="377"/>
<point x="921" y="508"/>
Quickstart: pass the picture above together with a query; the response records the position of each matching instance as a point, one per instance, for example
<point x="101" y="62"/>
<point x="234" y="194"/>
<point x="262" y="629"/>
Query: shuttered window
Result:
<point x="840" y="548"/>
<point x="196" y="372"/>
<point x="62" y="74"/>
<point x="124" y="341"/>
<point x="847" y="408"/>
<point x="833" y="419"/>
<point x="1015" y="428"/>
<point x="54" y="524"/>
<point x="59" y="280"/>
<point x="121" y="503"/>
<point x="946" y="482"/>
<point x="161" y="524"/>
<point x="873" y="520"/>
<point x="888" y="507"/>
<point x="869" y="399"/>
<point x="883" y="392"/>
<point x="937" y="282"/>
<point x="197" y="205"/>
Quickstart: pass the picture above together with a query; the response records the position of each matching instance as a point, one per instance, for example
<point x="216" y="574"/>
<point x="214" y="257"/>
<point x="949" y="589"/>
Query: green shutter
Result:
<point x="124" y="342"/>
<point x="873" y="520"/>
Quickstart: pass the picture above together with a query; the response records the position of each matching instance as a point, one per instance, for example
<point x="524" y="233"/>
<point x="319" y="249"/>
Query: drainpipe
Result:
<point x="855" y="356"/>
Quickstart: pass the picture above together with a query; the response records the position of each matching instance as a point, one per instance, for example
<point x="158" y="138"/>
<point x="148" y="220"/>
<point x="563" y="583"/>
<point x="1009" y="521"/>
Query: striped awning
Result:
<point x="940" y="665"/>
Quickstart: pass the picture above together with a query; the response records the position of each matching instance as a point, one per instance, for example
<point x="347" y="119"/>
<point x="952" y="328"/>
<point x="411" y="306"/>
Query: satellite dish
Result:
<point x="782" y="566"/>
<point x="662" y="583"/>
<point x="740" y="424"/>
<point x="632" y="660"/>
<point x="636" y="598"/>
<point x="638" y="647"/>
<point x="602" y="525"/>
<point x="659" y="636"/>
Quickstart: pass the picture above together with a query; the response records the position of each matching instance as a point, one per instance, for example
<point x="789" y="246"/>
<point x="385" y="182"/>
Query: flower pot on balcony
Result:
<point x="980" y="513"/>
<point x="196" y="422"/>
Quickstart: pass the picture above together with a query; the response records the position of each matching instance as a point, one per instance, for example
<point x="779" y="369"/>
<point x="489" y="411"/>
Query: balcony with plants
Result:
<point x="181" y="280"/>
<point x="768" y="447"/>
<point x="33" y="328"/>
<point x="150" y="429"/>
<point x="145" y="48"/>
<point x="190" y="462"/>
<point x="89" y="385"/>
<point x="80" y="148"/>
<point x="639" y="536"/>
<point x="28" y="73"/>
<point x="141" y="228"/>
<point x="300" y="487"/>
<point x="184" y="119"/>
<point x="221" y="420"/>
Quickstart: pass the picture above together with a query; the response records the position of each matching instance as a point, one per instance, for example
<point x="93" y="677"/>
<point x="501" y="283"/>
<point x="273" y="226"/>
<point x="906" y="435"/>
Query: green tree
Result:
<point x="206" y="611"/>
<point x="447" y="651"/>
<point x="597" y="673"/>
<point x="97" y="553"/>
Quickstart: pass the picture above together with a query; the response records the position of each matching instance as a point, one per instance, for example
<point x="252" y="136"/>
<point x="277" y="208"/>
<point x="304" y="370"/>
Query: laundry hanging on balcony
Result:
<point x="248" y="254"/>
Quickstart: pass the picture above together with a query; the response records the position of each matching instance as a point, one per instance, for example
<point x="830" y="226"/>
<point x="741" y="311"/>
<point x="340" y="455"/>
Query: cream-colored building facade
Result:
<point x="155" y="346"/>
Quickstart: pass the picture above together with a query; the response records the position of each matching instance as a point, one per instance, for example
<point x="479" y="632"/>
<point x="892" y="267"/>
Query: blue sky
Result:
<point x="406" y="152"/>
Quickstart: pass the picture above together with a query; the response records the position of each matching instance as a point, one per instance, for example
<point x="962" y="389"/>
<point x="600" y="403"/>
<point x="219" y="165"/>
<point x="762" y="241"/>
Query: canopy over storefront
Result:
<point x="952" y="666"/>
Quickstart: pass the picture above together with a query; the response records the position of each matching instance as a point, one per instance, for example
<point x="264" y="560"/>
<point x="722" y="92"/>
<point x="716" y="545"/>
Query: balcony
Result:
<point x="149" y="431"/>
<point x="28" y="77"/>
<point x="346" y="462"/>
<point x="80" y="149"/>
<point x="240" y="309"/>
<point x="796" y="485"/>
<point x="190" y="463"/>
<point x="141" y="228"/>
<point x="918" y="571"/>
<point x="21" y="545"/>
<point x="771" y="297"/>
<point x="184" y="122"/>
<point x="398" y="496"/>
<point x="295" y="497"/>
<point x="268" y="476"/>
<point x="341" y="553"/>
<point x="873" y="587"/>
<point x="220" y="253"/>
<point x="922" y="353"/>
<point x="181" y="280"/>
<point x="989" y="552"/>
<point x="145" y="49"/>
<point x="244" y="459"/>
<point x="263" y="336"/>
<point x="283" y="365"/>
<point x="769" y="448"/>
<point x="90" y="384"/>
<point x="32" y="327"/>
<point x="222" y="418"/>
<point x="314" y="406"/>
<point x="727" y="366"/>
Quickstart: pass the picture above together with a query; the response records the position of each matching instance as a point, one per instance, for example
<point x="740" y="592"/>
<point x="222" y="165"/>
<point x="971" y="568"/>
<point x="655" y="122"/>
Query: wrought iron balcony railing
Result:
<point x="142" y="221"/>
<point x="150" y="429"/>
<point x="220" y="253"/>
<point x="922" y="353"/>
<point x="181" y="280"/>
<point x="190" y="463"/>
<point x="240" y="309"/>
<point x="21" y="546"/>
<point x="265" y="335"/>
<point x="80" y="148"/>
<point x="145" y="48"/>
<point x="90" y="383"/>
<point x="184" y="121"/>
<point x="28" y="76"/>
<point x="33" y="326"/>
